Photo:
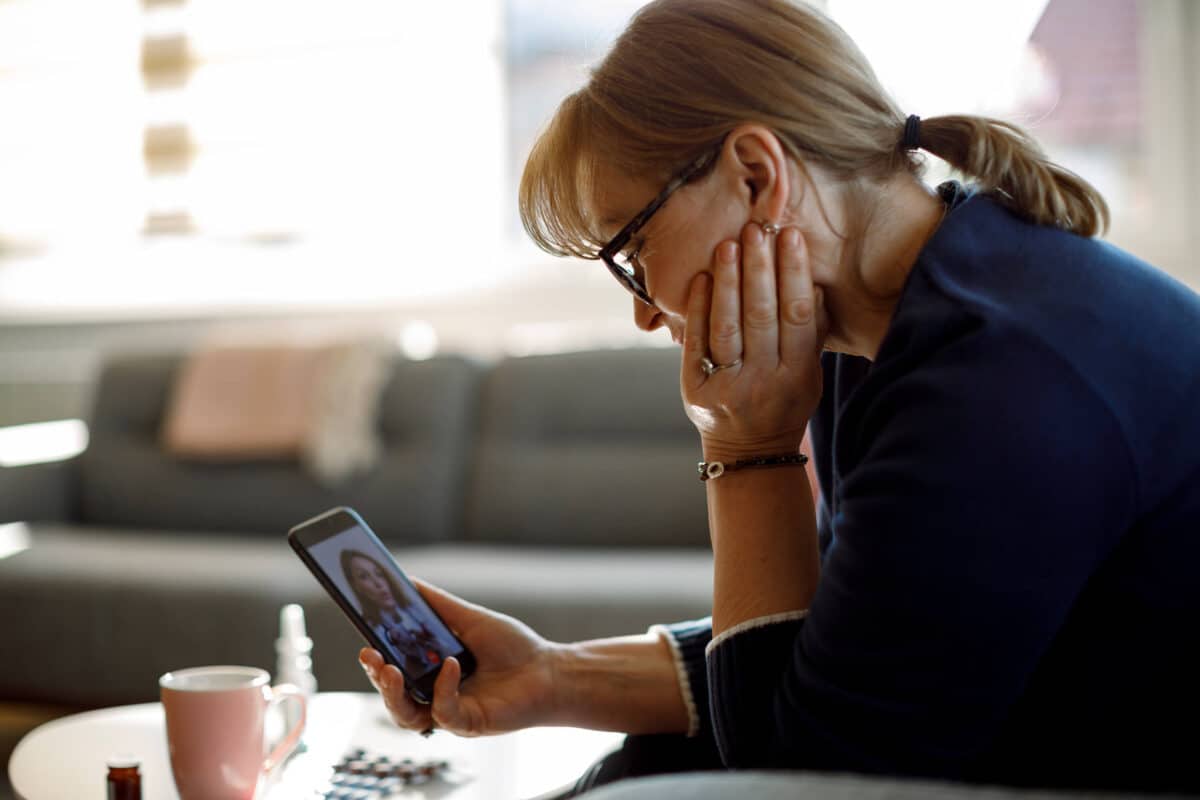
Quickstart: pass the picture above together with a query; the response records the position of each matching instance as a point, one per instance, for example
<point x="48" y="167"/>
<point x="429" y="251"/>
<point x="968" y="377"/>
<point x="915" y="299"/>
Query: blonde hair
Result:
<point x="687" y="72"/>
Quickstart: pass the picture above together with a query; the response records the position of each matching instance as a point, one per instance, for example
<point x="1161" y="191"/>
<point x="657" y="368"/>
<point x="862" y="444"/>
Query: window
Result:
<point x="192" y="155"/>
<point x="69" y="146"/>
<point x="1103" y="85"/>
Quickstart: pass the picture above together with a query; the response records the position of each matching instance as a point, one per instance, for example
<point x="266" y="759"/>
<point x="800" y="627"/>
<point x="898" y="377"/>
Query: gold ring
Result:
<point x="709" y="366"/>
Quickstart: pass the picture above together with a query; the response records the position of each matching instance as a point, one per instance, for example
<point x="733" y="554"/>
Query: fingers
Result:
<point x="370" y="659"/>
<point x="725" y="321"/>
<point x="760" y="305"/>
<point x="448" y="709"/>
<point x="763" y="306"/>
<point x="695" y="332"/>
<point x="456" y="612"/>
<point x="797" y="300"/>
<point x="389" y="682"/>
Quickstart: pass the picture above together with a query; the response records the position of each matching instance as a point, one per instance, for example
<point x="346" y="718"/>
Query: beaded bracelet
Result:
<point x="715" y="469"/>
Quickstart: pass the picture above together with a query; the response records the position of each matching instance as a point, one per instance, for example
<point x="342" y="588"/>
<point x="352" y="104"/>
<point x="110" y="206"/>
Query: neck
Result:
<point x="875" y="265"/>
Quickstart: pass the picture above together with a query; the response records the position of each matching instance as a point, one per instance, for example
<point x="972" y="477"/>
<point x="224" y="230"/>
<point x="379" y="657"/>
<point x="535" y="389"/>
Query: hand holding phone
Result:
<point x="359" y="573"/>
<point x="514" y="685"/>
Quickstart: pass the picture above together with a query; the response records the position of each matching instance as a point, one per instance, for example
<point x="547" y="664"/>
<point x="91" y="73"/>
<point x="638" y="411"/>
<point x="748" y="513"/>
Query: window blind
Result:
<point x="250" y="121"/>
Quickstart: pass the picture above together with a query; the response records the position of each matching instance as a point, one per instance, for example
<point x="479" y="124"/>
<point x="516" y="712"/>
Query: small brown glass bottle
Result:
<point x="124" y="779"/>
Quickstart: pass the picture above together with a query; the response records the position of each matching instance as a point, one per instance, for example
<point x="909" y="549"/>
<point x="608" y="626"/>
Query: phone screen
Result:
<point x="369" y="580"/>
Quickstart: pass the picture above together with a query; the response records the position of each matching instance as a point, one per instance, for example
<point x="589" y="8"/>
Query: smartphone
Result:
<point x="359" y="573"/>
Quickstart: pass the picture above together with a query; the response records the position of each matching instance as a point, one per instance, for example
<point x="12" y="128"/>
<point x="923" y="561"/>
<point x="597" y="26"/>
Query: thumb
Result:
<point x="448" y="710"/>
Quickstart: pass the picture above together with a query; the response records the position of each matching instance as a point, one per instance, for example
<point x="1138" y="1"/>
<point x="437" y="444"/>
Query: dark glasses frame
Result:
<point x="609" y="252"/>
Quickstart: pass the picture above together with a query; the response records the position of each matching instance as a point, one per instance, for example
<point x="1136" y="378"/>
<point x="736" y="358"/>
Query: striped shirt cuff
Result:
<point x="685" y="683"/>
<point x="753" y="624"/>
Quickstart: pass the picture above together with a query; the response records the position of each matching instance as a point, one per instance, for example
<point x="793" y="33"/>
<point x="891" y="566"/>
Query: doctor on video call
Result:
<point x="388" y="609"/>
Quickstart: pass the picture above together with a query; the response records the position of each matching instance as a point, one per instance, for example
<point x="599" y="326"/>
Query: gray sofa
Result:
<point x="558" y="489"/>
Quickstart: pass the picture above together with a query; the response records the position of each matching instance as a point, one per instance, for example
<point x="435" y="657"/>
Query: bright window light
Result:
<point x="909" y="43"/>
<point x="331" y="152"/>
<point x="418" y="340"/>
<point x="14" y="537"/>
<point x="70" y="152"/>
<point x="366" y="153"/>
<point x="39" y="442"/>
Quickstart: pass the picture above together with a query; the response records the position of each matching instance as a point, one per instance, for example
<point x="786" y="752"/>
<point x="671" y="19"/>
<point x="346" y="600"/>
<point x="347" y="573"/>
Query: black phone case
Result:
<point x="421" y="688"/>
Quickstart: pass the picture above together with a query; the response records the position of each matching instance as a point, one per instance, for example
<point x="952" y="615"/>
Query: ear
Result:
<point x="754" y="161"/>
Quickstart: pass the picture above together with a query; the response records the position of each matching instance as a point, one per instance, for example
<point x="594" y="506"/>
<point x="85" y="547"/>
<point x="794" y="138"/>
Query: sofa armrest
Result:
<point x="38" y="492"/>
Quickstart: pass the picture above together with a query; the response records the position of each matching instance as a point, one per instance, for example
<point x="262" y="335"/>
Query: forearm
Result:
<point x="628" y="684"/>
<point x="764" y="537"/>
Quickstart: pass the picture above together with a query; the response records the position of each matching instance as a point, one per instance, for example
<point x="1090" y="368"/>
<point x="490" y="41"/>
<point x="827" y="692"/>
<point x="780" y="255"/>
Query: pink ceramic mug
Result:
<point x="215" y="729"/>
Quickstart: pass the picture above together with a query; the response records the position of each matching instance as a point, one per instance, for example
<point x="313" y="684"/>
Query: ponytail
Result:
<point x="1003" y="159"/>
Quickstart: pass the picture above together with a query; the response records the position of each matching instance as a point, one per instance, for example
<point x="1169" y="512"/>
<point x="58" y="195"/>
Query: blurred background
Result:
<point x="173" y="167"/>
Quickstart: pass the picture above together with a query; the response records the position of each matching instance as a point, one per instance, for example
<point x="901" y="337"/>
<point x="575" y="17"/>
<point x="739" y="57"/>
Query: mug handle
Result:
<point x="281" y="694"/>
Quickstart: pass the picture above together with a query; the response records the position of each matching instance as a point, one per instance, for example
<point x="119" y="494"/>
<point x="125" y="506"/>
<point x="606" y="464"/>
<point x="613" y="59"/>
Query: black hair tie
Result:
<point x="912" y="133"/>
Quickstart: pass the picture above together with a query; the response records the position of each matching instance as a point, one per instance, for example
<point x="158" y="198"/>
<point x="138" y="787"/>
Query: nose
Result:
<point x="648" y="318"/>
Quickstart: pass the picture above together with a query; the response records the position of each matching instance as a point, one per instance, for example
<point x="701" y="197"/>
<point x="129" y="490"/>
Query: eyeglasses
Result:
<point x="622" y="261"/>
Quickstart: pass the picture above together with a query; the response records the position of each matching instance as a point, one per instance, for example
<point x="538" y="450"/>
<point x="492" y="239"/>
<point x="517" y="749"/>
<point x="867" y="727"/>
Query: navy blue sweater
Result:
<point x="1009" y="527"/>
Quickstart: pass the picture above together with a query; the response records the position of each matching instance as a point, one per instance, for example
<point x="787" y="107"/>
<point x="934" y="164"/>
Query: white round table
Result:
<point x="66" y="758"/>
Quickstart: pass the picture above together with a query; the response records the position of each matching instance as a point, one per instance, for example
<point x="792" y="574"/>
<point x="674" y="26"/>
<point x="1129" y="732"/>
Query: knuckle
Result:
<point x="760" y="316"/>
<point x="799" y="311"/>
<point x="726" y="273"/>
<point x="725" y="330"/>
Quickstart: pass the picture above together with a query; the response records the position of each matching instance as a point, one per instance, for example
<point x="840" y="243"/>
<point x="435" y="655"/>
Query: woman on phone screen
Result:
<point x="388" y="609"/>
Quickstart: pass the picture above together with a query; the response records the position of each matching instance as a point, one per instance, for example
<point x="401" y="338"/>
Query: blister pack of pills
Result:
<point x="365" y="776"/>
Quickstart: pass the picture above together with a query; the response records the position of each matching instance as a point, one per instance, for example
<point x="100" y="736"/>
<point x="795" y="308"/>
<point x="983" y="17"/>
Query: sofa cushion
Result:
<point x="587" y="449"/>
<point x="318" y="404"/>
<point x="427" y="419"/>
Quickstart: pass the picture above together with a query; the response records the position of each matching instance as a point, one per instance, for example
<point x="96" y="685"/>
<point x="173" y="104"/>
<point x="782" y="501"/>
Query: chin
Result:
<point x="834" y="343"/>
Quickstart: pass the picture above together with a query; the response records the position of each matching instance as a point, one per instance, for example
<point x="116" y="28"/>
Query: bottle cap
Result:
<point x="291" y="622"/>
<point x="123" y="761"/>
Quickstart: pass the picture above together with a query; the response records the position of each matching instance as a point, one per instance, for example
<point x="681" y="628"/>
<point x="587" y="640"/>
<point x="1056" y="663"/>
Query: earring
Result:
<point x="771" y="228"/>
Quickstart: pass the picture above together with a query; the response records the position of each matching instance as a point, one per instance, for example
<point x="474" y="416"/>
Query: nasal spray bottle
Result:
<point x="293" y="651"/>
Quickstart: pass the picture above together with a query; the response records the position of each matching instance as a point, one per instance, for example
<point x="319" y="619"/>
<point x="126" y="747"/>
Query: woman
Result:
<point x="387" y="608"/>
<point x="996" y="583"/>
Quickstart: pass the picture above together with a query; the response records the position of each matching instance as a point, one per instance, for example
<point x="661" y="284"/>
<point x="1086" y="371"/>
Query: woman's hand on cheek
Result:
<point x="758" y="311"/>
